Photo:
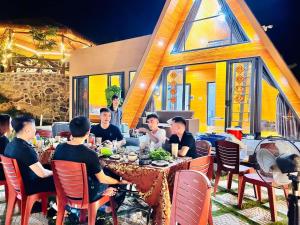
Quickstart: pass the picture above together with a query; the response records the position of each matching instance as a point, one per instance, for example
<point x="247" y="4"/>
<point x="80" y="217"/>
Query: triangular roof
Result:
<point x="158" y="55"/>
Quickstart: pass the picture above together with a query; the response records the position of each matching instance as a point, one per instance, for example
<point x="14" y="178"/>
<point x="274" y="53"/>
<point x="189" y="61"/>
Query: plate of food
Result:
<point x="160" y="163"/>
<point x="105" y="152"/>
<point x="115" y="157"/>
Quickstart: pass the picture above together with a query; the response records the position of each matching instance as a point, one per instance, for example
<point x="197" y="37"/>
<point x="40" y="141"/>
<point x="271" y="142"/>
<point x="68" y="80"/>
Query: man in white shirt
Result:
<point x="155" y="136"/>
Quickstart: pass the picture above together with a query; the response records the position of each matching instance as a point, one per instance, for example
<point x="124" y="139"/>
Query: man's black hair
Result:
<point x="152" y="115"/>
<point x="114" y="97"/>
<point x="18" y="122"/>
<point x="79" y="126"/>
<point x="4" y="123"/>
<point x="104" y="110"/>
<point x="179" y="119"/>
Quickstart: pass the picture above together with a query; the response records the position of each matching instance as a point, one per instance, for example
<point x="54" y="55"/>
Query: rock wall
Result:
<point x="38" y="94"/>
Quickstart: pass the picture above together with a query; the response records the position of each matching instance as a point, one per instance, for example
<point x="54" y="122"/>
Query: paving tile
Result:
<point x="227" y="199"/>
<point x="35" y="219"/>
<point x="259" y="215"/>
<point x="281" y="206"/>
<point x="215" y="207"/>
<point x="228" y="219"/>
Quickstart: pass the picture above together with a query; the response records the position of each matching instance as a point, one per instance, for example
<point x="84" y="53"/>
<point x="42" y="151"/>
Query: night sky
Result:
<point x="111" y="20"/>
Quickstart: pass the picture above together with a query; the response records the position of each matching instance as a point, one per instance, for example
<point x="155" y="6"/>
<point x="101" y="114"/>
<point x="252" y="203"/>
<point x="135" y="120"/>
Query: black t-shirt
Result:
<point x="3" y="142"/>
<point x="81" y="154"/>
<point x="26" y="156"/>
<point x="186" y="140"/>
<point x="111" y="133"/>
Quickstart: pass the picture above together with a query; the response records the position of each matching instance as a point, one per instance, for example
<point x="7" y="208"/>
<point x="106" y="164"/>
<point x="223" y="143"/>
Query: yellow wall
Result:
<point x="268" y="107"/>
<point x="220" y="96"/>
<point x="198" y="80"/>
<point x="97" y="86"/>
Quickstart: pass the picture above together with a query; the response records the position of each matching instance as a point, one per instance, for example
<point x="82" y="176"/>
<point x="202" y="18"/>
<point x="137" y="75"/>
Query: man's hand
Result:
<point x="143" y="130"/>
<point x="125" y="182"/>
<point x="110" y="192"/>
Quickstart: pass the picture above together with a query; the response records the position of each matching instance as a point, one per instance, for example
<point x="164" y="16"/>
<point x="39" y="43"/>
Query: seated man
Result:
<point x="108" y="132"/>
<point x="185" y="140"/>
<point x="76" y="151"/>
<point x="35" y="177"/>
<point x="155" y="136"/>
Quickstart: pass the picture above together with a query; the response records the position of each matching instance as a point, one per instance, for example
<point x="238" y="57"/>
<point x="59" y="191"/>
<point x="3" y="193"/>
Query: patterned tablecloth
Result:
<point x="155" y="184"/>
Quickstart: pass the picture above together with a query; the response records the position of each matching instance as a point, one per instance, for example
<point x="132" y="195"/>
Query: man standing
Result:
<point x="155" y="136"/>
<point x="108" y="132"/>
<point x="116" y="111"/>
<point x="185" y="140"/>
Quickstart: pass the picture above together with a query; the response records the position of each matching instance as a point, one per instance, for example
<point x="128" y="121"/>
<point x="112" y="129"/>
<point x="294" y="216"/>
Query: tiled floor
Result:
<point x="224" y="208"/>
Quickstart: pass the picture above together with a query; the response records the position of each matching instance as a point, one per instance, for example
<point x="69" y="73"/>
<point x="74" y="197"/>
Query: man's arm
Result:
<point x="40" y="171"/>
<point x="103" y="178"/>
<point x="183" y="151"/>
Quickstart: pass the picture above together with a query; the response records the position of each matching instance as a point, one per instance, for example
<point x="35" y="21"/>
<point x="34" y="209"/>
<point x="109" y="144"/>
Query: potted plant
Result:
<point x="110" y="91"/>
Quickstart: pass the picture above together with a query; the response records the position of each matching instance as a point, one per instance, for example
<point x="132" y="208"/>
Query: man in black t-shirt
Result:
<point x="108" y="132"/>
<point x="185" y="140"/>
<point x="76" y="151"/>
<point x="35" y="177"/>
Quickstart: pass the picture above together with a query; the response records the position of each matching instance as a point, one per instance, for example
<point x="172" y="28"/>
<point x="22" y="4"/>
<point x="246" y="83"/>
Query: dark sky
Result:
<point x="109" y="20"/>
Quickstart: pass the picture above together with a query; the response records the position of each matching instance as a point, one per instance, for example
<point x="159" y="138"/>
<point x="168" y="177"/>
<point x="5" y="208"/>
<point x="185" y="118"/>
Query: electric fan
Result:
<point x="279" y="158"/>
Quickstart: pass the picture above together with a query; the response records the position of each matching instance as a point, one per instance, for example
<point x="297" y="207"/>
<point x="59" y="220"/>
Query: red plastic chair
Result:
<point x="17" y="192"/>
<point x="204" y="164"/>
<point x="44" y="133"/>
<point x="71" y="183"/>
<point x="203" y="148"/>
<point x="255" y="179"/>
<point x="228" y="159"/>
<point x="65" y="134"/>
<point x="3" y="183"/>
<point x="268" y="182"/>
<point x="191" y="198"/>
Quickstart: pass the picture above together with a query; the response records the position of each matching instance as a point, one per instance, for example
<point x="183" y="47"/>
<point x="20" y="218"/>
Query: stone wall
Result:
<point x="46" y="94"/>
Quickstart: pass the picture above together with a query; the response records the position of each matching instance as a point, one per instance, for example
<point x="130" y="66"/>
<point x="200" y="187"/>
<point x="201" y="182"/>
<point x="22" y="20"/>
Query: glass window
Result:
<point x="97" y="86"/>
<point x="209" y="24"/>
<point x="211" y="103"/>
<point x="80" y="96"/>
<point x="131" y="76"/>
<point x="241" y="95"/>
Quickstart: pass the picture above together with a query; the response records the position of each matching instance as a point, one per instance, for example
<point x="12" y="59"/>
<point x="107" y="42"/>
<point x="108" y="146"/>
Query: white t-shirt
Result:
<point x="160" y="134"/>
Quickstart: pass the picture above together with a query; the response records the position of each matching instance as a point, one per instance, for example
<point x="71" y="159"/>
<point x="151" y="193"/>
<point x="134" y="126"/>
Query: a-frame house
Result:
<point x="214" y="58"/>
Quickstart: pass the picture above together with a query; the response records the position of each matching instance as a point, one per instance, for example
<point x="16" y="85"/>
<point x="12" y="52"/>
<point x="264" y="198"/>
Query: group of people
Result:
<point x="101" y="181"/>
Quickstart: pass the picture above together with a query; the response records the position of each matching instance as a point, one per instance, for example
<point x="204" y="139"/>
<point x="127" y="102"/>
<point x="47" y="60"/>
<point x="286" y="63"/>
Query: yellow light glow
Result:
<point x="38" y="52"/>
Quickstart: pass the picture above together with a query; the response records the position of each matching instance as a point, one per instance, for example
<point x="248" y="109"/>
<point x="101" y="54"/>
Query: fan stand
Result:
<point x="294" y="201"/>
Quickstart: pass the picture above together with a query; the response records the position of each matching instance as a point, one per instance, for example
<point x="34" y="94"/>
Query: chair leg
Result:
<point x="92" y="213"/>
<point x="10" y="208"/>
<point x="272" y="199"/>
<point x="255" y="190"/>
<point x="242" y="184"/>
<point x="113" y="211"/>
<point x="210" y="218"/>
<point x="218" y="174"/>
<point x="286" y="193"/>
<point x="82" y="217"/>
<point x="44" y="204"/>
<point x="229" y="180"/>
<point x="6" y="192"/>
<point x="240" y="181"/>
<point x="60" y="213"/>
<point x="27" y="204"/>
<point x="259" y="193"/>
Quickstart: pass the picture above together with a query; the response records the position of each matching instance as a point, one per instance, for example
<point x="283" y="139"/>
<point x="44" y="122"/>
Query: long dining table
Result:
<point x="155" y="184"/>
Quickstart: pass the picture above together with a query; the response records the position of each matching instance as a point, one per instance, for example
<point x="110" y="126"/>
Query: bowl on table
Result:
<point x="132" y="156"/>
